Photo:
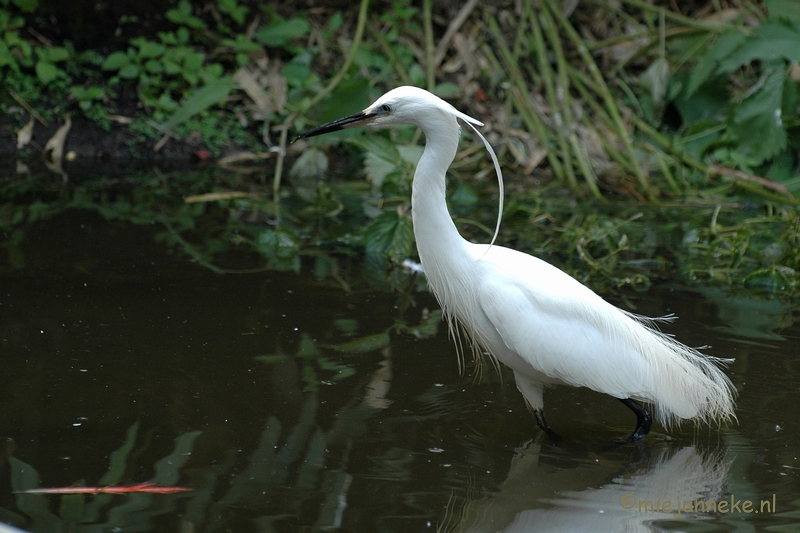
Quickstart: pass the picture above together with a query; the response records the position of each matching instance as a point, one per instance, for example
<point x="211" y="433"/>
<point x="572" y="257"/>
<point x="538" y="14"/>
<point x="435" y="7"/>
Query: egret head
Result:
<point x="403" y="105"/>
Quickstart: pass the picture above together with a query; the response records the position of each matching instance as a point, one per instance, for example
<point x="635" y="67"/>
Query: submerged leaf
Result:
<point x="366" y="344"/>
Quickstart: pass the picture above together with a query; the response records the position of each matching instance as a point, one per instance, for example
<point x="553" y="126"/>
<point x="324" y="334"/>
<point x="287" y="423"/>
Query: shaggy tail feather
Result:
<point x="688" y="384"/>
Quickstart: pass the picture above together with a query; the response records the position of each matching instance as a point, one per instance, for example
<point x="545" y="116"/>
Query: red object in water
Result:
<point x="151" y="488"/>
<point x="202" y="155"/>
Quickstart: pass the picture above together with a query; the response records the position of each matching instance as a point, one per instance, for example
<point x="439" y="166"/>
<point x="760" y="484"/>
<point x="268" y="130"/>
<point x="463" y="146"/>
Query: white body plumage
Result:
<point x="542" y="323"/>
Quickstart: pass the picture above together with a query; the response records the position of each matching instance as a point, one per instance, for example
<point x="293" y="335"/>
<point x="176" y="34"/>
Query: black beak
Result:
<point x="359" y="119"/>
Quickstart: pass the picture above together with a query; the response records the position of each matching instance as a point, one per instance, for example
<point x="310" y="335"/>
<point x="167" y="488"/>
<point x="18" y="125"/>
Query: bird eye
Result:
<point x="387" y="108"/>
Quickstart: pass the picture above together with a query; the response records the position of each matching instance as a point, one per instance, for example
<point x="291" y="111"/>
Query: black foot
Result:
<point x="539" y="414"/>
<point x="540" y="420"/>
<point x="643" y="419"/>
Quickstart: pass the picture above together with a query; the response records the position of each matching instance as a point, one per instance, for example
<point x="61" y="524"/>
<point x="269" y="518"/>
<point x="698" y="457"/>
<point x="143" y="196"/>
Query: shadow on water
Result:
<point x="287" y="404"/>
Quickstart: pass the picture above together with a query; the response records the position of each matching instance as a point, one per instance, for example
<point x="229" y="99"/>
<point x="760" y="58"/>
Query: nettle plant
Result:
<point x="739" y="98"/>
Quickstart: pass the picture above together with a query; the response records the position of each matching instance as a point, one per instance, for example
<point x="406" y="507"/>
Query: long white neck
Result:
<point x="442" y="250"/>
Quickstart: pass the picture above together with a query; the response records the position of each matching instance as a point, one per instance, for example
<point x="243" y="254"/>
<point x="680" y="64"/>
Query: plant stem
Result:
<point x="430" y="49"/>
<point x="608" y="99"/>
<point x="362" y="20"/>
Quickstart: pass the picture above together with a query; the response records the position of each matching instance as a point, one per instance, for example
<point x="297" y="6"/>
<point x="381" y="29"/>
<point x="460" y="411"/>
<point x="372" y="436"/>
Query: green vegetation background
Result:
<point x="638" y="142"/>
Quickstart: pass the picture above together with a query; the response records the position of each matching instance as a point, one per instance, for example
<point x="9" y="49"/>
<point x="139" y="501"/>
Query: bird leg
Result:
<point x="539" y="414"/>
<point x="542" y="423"/>
<point x="643" y="419"/>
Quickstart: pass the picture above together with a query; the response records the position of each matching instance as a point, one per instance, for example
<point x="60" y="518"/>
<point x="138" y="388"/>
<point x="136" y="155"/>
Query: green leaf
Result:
<point x="312" y="163"/>
<point x="370" y="343"/>
<point x="149" y="49"/>
<point x="154" y="67"/>
<point x="46" y="71"/>
<point x="769" y="42"/>
<point x="390" y="235"/>
<point x="429" y="327"/>
<point x="788" y="10"/>
<point x="183" y="15"/>
<point x="708" y="62"/>
<point x="27" y="6"/>
<point x="57" y="54"/>
<point x="200" y="100"/>
<point x="119" y="457"/>
<point x="233" y="9"/>
<point x="464" y="196"/>
<point x="280" y="247"/>
<point x="335" y="21"/>
<point x="308" y="348"/>
<point x="116" y="61"/>
<point x="167" y="469"/>
<point x="382" y="157"/>
<point x="757" y="121"/>
<point x="6" y="58"/>
<point x="129" y="71"/>
<point x="269" y="359"/>
<point x="771" y="280"/>
<point x="447" y="90"/>
<point x="282" y="31"/>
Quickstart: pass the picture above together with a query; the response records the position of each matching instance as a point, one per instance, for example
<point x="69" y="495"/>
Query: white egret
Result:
<point x="539" y="321"/>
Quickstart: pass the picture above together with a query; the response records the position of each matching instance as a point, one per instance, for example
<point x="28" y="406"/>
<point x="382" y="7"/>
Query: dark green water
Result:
<point x="122" y="363"/>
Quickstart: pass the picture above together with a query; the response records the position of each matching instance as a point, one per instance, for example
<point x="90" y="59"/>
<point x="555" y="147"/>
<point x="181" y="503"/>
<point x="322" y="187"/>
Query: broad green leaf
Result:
<point x="769" y="42"/>
<point x="774" y="279"/>
<point x="335" y="21"/>
<point x="447" y="90"/>
<point x="382" y="157"/>
<point x="5" y="55"/>
<point x="390" y="235"/>
<point x="183" y="15"/>
<point x="233" y="9"/>
<point x="708" y="62"/>
<point x="57" y="54"/>
<point x="429" y="327"/>
<point x="115" y="61"/>
<point x="129" y="71"/>
<point x="464" y="196"/>
<point x="312" y="163"/>
<point x="281" y="31"/>
<point x="46" y="71"/>
<point x="757" y="122"/>
<point x="411" y="153"/>
<point x="149" y="49"/>
<point x="276" y="243"/>
<point x="376" y="168"/>
<point x="203" y="98"/>
<point x="154" y="67"/>
<point x="788" y="10"/>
